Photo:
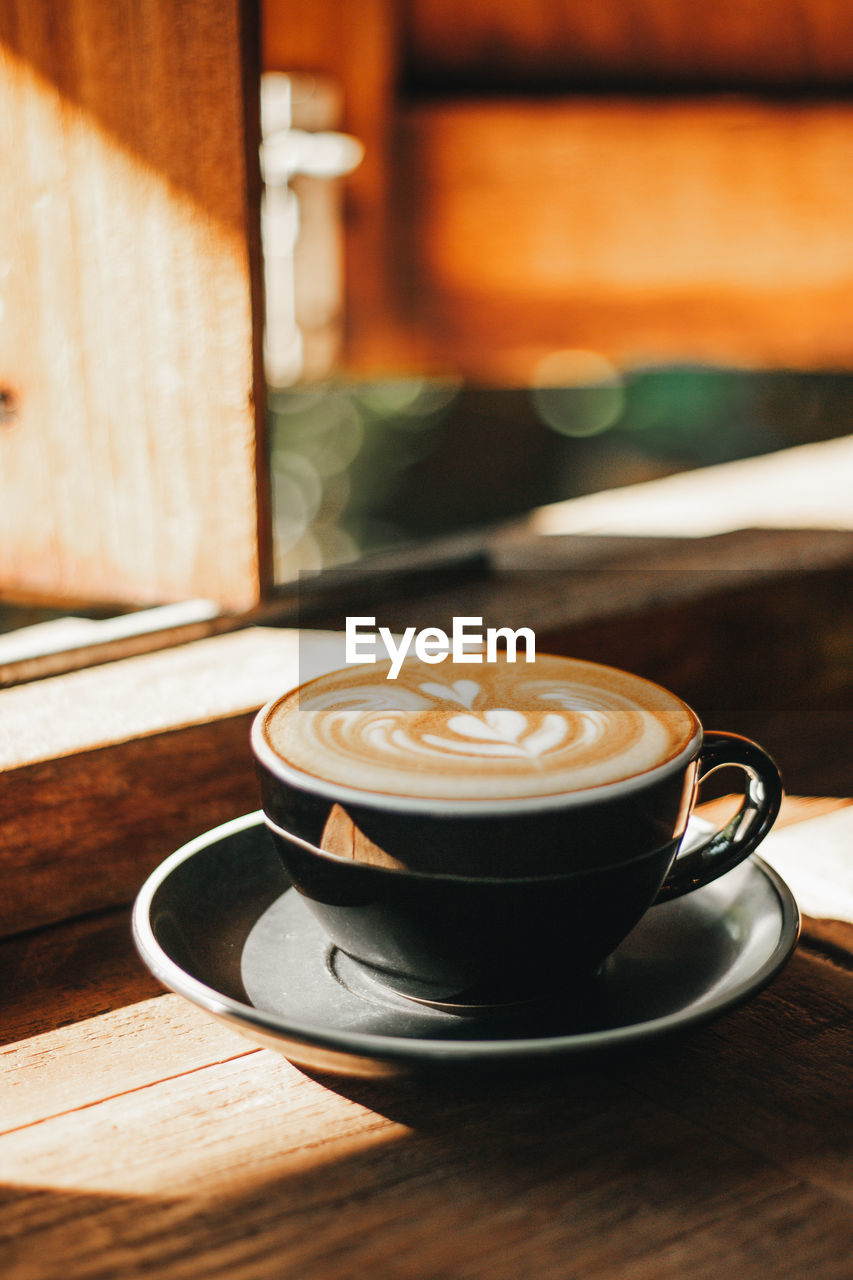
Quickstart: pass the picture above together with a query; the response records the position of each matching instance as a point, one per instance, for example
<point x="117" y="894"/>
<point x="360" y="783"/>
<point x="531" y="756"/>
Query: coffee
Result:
<point x="486" y="731"/>
<point x="476" y="834"/>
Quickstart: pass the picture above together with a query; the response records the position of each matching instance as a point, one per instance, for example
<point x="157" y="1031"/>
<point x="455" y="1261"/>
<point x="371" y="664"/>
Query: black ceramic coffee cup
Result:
<point x="491" y="901"/>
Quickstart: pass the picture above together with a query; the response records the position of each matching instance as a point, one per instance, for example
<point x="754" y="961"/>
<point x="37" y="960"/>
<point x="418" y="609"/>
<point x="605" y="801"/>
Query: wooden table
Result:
<point x="140" y="1138"/>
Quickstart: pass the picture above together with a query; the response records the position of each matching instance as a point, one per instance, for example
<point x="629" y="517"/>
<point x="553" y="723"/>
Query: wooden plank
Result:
<point x="644" y="230"/>
<point x="559" y="44"/>
<point x="671" y="1162"/>
<point x="58" y="643"/>
<point x="125" y="1132"/>
<point x="105" y="772"/>
<point x="70" y="972"/>
<point x="67" y="643"/>
<point x="135" y="465"/>
<point x="76" y="1066"/>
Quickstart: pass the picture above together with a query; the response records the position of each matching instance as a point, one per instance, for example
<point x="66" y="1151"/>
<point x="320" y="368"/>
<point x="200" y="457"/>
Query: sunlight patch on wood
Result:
<point x="134" y="1096"/>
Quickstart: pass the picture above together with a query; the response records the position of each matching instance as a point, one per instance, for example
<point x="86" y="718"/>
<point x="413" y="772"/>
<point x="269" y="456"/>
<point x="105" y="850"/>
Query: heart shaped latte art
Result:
<point x="500" y="731"/>
<point x="497" y="731"/>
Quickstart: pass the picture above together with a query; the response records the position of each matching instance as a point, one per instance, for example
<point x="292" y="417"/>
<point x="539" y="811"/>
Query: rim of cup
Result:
<point x="456" y="807"/>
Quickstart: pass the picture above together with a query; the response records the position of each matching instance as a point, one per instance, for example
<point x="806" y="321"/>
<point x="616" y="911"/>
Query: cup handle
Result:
<point x="744" y="831"/>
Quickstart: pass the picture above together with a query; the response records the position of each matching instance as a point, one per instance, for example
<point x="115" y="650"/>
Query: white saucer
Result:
<point x="219" y="924"/>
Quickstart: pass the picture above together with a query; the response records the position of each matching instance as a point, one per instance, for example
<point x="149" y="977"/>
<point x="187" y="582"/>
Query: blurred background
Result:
<point x="568" y="247"/>
<point x="503" y="255"/>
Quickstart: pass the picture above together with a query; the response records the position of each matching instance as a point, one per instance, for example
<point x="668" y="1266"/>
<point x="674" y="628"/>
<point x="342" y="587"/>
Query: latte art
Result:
<point x="478" y="732"/>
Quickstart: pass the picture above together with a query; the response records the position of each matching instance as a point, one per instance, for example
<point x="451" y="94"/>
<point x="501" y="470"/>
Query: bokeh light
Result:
<point x="409" y="402"/>
<point x="577" y="393"/>
<point x="364" y="467"/>
<point x="337" y="454"/>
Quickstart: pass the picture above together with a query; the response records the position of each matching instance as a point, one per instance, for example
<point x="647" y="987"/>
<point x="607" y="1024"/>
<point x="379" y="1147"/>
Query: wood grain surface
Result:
<point x="139" y="1137"/>
<point x="134" y="464"/>
<point x="105" y="772"/>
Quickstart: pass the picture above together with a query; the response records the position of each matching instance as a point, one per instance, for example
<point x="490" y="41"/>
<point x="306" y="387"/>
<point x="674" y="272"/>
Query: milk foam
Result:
<point x="468" y="732"/>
